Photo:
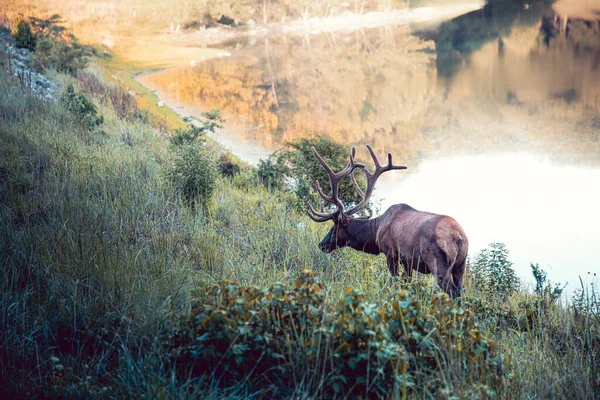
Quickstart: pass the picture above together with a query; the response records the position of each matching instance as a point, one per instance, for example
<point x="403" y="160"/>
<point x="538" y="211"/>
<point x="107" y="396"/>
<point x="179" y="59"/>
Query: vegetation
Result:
<point x="297" y="337"/>
<point x="54" y="47"/>
<point x="543" y="287"/>
<point x="24" y="37"/>
<point x="297" y="164"/>
<point x="492" y="269"/>
<point x="112" y="287"/>
<point x="122" y="100"/>
<point x="196" y="131"/>
<point x="192" y="172"/>
<point x="84" y="111"/>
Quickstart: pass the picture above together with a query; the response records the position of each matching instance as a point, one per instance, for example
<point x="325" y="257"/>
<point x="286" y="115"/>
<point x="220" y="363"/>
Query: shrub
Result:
<point x="23" y="34"/>
<point x="493" y="272"/>
<point x="195" y="132"/>
<point x="297" y="164"/>
<point x="227" y="166"/>
<point x="278" y="336"/>
<point x="270" y="173"/>
<point x="192" y="172"/>
<point x="81" y="107"/>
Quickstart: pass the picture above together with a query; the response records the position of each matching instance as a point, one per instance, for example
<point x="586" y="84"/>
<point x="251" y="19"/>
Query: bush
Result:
<point x="270" y="173"/>
<point x="192" y="172"/>
<point x="278" y="336"/>
<point x="82" y="108"/>
<point x="297" y="164"/>
<point x="493" y="272"/>
<point x="23" y="34"/>
<point x="210" y="122"/>
<point x="227" y="166"/>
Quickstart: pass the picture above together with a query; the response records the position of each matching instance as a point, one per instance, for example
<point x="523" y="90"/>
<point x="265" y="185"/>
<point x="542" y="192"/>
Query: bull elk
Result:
<point x="422" y="241"/>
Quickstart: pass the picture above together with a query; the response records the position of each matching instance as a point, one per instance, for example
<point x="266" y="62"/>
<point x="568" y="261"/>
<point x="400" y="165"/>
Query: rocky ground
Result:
<point x="17" y="62"/>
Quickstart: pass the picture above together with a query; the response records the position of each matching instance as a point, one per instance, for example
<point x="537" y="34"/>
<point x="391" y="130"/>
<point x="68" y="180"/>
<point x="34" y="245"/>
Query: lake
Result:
<point x="495" y="112"/>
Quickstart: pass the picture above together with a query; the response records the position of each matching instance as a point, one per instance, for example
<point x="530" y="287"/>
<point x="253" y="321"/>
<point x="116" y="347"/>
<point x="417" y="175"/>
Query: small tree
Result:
<point x="493" y="271"/>
<point x="23" y="34"/>
<point x="298" y="164"/>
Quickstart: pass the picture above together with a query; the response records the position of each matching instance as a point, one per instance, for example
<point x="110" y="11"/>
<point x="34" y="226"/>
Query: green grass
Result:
<point x="100" y="259"/>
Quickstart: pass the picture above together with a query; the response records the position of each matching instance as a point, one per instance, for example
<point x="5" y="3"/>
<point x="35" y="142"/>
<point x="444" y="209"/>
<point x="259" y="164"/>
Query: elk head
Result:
<point x="340" y="235"/>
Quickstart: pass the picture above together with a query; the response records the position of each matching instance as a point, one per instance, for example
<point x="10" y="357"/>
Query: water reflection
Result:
<point x="545" y="213"/>
<point x="497" y="114"/>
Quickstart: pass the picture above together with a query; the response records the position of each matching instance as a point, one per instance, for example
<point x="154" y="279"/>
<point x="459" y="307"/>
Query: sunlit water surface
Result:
<point x="496" y="113"/>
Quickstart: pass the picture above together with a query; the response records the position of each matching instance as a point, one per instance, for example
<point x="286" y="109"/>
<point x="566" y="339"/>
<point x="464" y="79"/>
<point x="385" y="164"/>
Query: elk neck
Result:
<point x="362" y="235"/>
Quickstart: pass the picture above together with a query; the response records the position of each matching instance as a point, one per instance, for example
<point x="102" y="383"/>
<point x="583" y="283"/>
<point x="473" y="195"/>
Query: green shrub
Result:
<point x="227" y="165"/>
<point x="493" y="272"/>
<point x="278" y="336"/>
<point x="196" y="132"/>
<point x="23" y="34"/>
<point x="192" y="172"/>
<point x="81" y="107"/>
<point x="297" y="164"/>
<point x="270" y="173"/>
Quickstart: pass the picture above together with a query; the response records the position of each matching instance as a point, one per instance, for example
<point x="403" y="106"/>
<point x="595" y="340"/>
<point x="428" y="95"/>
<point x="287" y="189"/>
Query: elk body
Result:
<point x="422" y="241"/>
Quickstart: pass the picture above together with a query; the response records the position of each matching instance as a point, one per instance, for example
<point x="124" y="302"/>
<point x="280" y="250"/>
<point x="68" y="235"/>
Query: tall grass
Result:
<point x="99" y="257"/>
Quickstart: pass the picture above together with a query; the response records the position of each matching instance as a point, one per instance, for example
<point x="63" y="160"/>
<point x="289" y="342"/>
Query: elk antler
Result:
<point x="334" y="180"/>
<point x="371" y="179"/>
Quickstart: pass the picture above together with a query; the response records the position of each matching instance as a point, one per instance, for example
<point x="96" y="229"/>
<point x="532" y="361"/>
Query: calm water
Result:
<point x="496" y="113"/>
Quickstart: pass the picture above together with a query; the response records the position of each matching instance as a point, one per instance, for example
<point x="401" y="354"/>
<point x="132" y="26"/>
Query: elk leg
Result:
<point x="408" y="269"/>
<point x="438" y="265"/>
<point x="392" y="262"/>
<point x="457" y="274"/>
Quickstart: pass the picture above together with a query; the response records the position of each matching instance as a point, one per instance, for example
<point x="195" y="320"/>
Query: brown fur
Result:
<point x="422" y="241"/>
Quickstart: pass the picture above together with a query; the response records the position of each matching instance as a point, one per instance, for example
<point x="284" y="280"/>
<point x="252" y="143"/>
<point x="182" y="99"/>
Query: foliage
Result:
<point x="57" y="49"/>
<point x="24" y="36"/>
<point x="493" y="272"/>
<point x="270" y="173"/>
<point x="192" y="172"/>
<point x="227" y="165"/>
<point x="196" y="132"/>
<point x="61" y="56"/>
<point x="544" y="288"/>
<point x="298" y="164"/>
<point x="281" y="335"/>
<point x="81" y="107"/>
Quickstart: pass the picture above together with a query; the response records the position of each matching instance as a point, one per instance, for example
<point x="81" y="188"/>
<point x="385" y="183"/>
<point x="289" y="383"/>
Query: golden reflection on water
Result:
<point x="498" y="118"/>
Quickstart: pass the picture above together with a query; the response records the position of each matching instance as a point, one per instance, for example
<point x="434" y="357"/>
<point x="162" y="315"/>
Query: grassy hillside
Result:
<point x="112" y="287"/>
